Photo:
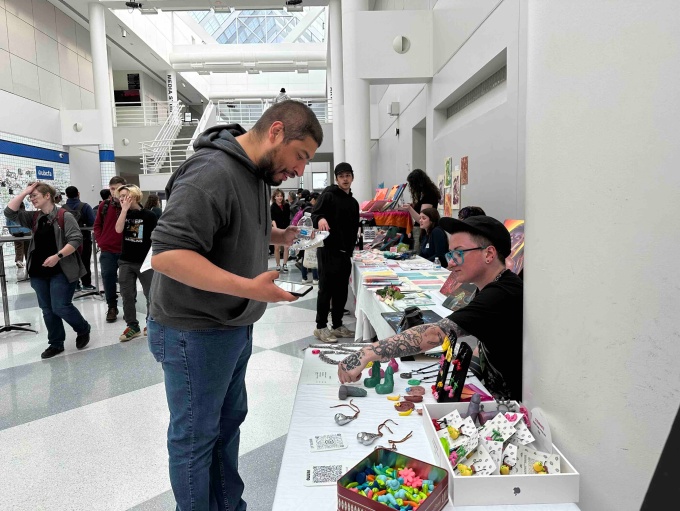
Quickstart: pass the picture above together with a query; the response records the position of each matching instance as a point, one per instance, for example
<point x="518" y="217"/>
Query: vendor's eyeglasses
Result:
<point x="458" y="256"/>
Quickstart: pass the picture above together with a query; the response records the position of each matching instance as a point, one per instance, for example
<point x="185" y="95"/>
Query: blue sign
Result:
<point x="44" y="173"/>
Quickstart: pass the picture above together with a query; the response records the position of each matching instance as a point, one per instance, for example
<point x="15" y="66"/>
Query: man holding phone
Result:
<point x="211" y="284"/>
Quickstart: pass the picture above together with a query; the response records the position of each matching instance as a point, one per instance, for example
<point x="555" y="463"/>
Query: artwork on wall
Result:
<point x="447" y="172"/>
<point x="516" y="229"/>
<point x="447" y="202"/>
<point x="440" y="186"/>
<point x="455" y="189"/>
<point x="464" y="170"/>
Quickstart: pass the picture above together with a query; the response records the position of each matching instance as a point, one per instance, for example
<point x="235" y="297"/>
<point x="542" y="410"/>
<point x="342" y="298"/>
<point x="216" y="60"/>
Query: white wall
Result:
<point x="601" y="332"/>
<point x="85" y="173"/>
<point x="45" y="55"/>
<point x="19" y="115"/>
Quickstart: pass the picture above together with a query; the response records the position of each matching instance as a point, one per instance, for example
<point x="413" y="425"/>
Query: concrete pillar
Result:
<point x="335" y="35"/>
<point x="102" y="91"/>
<point x="357" y="109"/>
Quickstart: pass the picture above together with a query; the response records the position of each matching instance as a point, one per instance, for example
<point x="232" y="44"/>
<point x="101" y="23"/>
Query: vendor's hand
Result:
<point x="51" y="261"/>
<point x="323" y="225"/>
<point x="29" y="188"/>
<point x="405" y="207"/>
<point x="126" y="202"/>
<point x="349" y="369"/>
<point x="263" y="289"/>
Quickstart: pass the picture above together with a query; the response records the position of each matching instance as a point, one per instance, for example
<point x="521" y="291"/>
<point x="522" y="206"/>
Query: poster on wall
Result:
<point x="516" y="229"/>
<point x="440" y="186"/>
<point x="464" y="170"/>
<point x="447" y="172"/>
<point x="447" y="202"/>
<point x="455" y="189"/>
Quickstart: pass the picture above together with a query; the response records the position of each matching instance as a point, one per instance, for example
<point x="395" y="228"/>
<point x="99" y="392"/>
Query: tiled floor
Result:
<point x="86" y="430"/>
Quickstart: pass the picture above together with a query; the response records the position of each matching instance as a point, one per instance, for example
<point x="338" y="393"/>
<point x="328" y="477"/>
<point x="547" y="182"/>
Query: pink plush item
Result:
<point x="453" y="458"/>
<point x="382" y="372"/>
<point x="393" y="364"/>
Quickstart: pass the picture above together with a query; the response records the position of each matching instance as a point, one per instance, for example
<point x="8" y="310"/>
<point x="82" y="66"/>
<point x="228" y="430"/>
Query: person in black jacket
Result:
<point x="434" y="244"/>
<point x="280" y="218"/>
<point x="337" y="212"/>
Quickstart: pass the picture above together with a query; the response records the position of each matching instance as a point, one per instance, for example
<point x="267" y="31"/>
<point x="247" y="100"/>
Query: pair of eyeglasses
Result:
<point x="34" y="195"/>
<point x="458" y="256"/>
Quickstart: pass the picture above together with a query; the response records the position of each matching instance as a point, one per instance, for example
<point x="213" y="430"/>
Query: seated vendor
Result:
<point x="478" y="248"/>
<point x="433" y="240"/>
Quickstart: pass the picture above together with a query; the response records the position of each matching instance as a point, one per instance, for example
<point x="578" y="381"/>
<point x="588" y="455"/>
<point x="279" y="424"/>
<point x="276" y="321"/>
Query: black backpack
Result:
<point x="77" y="213"/>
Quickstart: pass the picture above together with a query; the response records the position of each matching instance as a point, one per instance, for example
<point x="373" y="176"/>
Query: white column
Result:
<point x="357" y="108"/>
<point x="601" y="296"/>
<point x="102" y="91"/>
<point x="335" y="36"/>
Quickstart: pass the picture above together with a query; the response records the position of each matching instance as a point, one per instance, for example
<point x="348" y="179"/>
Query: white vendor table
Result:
<point x="312" y="416"/>
<point x="369" y="307"/>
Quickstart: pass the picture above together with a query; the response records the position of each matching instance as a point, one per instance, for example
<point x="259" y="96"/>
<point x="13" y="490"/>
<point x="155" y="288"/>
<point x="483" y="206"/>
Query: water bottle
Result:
<point x="436" y="264"/>
<point x="306" y="227"/>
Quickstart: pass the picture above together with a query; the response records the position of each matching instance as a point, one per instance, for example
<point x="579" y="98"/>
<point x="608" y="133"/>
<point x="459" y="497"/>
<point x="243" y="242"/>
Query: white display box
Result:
<point x="498" y="489"/>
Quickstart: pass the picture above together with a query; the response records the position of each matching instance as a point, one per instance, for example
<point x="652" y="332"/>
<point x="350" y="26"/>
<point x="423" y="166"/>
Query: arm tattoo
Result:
<point x="414" y="340"/>
<point x="351" y="362"/>
<point x="450" y="326"/>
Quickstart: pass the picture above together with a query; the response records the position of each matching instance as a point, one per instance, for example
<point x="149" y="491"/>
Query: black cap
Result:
<point x="343" y="167"/>
<point x="283" y="89"/>
<point x="490" y="228"/>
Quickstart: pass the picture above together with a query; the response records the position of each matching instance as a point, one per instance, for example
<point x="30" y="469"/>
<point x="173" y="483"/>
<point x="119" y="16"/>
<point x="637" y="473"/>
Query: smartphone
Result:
<point x="294" y="288"/>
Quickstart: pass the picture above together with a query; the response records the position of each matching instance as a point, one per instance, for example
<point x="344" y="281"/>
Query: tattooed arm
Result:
<point x="414" y="340"/>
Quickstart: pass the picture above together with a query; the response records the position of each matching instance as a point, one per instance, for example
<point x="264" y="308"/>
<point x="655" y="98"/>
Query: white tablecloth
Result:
<point x="312" y="416"/>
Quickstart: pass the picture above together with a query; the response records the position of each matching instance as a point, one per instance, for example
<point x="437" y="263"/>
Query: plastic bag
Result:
<point x="310" y="261"/>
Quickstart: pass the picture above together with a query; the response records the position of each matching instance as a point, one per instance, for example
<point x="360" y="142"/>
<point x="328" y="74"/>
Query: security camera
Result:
<point x="133" y="5"/>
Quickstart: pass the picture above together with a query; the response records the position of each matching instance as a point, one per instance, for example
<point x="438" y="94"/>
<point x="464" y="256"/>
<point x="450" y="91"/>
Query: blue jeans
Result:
<point x="109" y="263"/>
<point x="54" y="299"/>
<point x="205" y="387"/>
<point x="315" y="273"/>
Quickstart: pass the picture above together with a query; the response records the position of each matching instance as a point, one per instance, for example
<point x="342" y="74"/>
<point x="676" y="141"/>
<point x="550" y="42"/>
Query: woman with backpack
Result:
<point x="53" y="264"/>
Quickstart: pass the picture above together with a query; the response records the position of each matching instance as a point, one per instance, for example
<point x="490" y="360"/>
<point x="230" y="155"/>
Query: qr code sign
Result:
<point x="326" y="474"/>
<point x="327" y="442"/>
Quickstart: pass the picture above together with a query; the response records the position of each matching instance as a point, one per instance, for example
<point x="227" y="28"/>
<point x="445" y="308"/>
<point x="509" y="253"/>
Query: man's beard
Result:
<point x="266" y="168"/>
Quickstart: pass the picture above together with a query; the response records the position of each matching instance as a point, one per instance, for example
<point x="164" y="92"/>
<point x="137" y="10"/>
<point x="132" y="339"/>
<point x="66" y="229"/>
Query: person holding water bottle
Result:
<point x="433" y="240"/>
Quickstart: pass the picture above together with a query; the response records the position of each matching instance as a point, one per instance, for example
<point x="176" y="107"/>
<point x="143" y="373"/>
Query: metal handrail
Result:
<point x="248" y="112"/>
<point x="202" y="125"/>
<point x="176" y="153"/>
<point x="154" y="153"/>
<point x="146" y="113"/>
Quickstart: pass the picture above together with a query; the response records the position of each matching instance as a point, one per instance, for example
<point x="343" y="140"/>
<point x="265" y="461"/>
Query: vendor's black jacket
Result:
<point x="341" y="211"/>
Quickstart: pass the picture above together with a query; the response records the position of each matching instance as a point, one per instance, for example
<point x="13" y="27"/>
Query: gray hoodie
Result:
<point x="218" y="206"/>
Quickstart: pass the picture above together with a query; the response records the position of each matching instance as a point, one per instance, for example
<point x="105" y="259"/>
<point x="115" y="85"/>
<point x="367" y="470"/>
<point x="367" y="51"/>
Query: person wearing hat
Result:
<point x="282" y="96"/>
<point x="478" y="247"/>
<point x="336" y="211"/>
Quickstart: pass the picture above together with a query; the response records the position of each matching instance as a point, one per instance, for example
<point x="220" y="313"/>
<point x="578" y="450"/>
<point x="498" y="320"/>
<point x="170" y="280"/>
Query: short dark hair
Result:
<point x="299" y="121"/>
<point x="483" y="241"/>
<point x="314" y="196"/>
<point x="105" y="193"/>
<point x="468" y="211"/>
<point x="117" y="180"/>
<point x="71" y="192"/>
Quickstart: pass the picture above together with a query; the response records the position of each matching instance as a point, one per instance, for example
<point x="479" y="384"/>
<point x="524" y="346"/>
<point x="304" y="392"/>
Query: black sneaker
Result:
<point x="345" y="312"/>
<point x="83" y="339"/>
<point x="112" y="314"/>
<point x="51" y="352"/>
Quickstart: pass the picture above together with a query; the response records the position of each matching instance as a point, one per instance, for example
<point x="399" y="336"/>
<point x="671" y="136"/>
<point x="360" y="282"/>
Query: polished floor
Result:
<point x="86" y="430"/>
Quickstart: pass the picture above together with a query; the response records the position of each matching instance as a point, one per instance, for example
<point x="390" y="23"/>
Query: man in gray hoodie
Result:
<point x="211" y="284"/>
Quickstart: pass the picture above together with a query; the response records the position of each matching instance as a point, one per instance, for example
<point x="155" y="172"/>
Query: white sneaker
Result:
<point x="343" y="331"/>
<point x="325" y="335"/>
<point x="315" y="282"/>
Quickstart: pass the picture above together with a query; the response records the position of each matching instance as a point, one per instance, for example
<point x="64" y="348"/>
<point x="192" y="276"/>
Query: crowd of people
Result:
<point x="203" y="296"/>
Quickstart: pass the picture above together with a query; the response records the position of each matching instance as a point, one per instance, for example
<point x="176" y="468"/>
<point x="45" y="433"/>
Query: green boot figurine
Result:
<point x="374" y="379"/>
<point x="387" y="386"/>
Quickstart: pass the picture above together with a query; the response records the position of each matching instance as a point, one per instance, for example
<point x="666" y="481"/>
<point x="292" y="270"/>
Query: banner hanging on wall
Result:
<point x="44" y="173"/>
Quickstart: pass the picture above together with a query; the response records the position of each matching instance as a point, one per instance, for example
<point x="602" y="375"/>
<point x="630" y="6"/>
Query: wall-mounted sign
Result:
<point x="44" y="173"/>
